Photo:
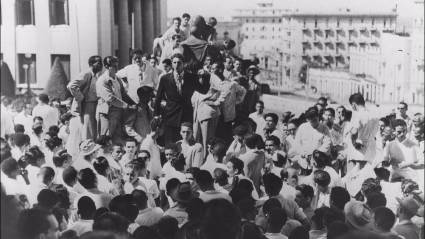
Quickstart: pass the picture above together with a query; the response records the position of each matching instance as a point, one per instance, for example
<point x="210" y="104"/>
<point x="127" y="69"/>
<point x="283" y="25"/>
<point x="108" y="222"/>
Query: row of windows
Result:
<point x="263" y="28"/>
<point x="262" y="37"/>
<point x="27" y="66"/>
<point x="263" y="20"/>
<point x="58" y="12"/>
<point x="350" y="22"/>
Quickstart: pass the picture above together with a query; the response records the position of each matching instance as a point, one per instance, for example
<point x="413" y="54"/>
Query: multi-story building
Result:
<point x="35" y="32"/>
<point x="324" y="39"/>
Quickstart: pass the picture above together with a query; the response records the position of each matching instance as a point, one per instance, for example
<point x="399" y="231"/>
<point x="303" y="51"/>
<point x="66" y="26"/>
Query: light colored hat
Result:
<point x="253" y="68"/>
<point x="358" y="215"/>
<point x="409" y="204"/>
<point x="87" y="147"/>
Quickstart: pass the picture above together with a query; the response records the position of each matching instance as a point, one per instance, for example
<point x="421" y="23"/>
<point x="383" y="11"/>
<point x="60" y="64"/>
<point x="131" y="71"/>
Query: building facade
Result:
<point x="324" y="39"/>
<point x="35" y="32"/>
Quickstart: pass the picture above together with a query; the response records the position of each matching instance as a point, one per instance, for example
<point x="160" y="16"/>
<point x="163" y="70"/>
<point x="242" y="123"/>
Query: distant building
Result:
<point x="324" y="39"/>
<point x="34" y="33"/>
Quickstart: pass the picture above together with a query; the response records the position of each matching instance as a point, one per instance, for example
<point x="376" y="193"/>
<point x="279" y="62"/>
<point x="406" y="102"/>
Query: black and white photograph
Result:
<point x="212" y="119"/>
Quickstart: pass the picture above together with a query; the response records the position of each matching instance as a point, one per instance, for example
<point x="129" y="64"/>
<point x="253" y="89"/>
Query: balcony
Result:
<point x="374" y="43"/>
<point x="352" y="43"/>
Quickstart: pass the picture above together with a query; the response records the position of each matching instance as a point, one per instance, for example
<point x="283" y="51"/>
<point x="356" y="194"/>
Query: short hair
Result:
<point x="171" y="184"/>
<point x="103" y="140"/>
<point x="331" y="110"/>
<point x="318" y="217"/>
<point x="140" y="198"/>
<point x="271" y="204"/>
<point x="306" y="190"/>
<point x="299" y="232"/>
<point x="94" y="59"/>
<point x="322" y="178"/>
<point x="323" y="99"/>
<point x="87" y="178"/>
<point x="47" y="174"/>
<point x="167" y="62"/>
<point x="145" y="90"/>
<point x="195" y="209"/>
<point x="146" y="232"/>
<point x="109" y="61"/>
<point x="53" y="142"/>
<point x="177" y="19"/>
<point x="179" y="162"/>
<point x="251" y="141"/>
<point x="19" y="128"/>
<point x="130" y="139"/>
<point x="43" y="98"/>
<point x="237" y="164"/>
<point x="277" y="219"/>
<point x="246" y="206"/>
<point x="219" y="150"/>
<point x="375" y="200"/>
<point x="204" y="179"/>
<point x="399" y="122"/>
<point x="185" y="15"/>
<point x="146" y="152"/>
<point x="384" y="218"/>
<point x="86" y="207"/>
<point x="112" y="222"/>
<point x="274" y="117"/>
<point x="311" y="113"/>
<point x="221" y="176"/>
<point x="321" y="159"/>
<point x="37" y="118"/>
<point x="260" y="102"/>
<point x="172" y="146"/>
<point x="33" y="154"/>
<point x="382" y="173"/>
<point x="167" y="227"/>
<point x="337" y="229"/>
<point x="66" y="117"/>
<point x="339" y="197"/>
<point x="221" y="220"/>
<point x="33" y="222"/>
<point x="274" y="139"/>
<point x="357" y="98"/>
<point x="404" y="104"/>
<point x="101" y="165"/>
<point x="212" y="21"/>
<point x="332" y="215"/>
<point x="240" y="130"/>
<point x="21" y="139"/>
<point x="47" y="199"/>
<point x="272" y="184"/>
<point x="69" y="175"/>
<point x="177" y="55"/>
<point x="136" y="52"/>
<point x="371" y="185"/>
<point x="187" y="124"/>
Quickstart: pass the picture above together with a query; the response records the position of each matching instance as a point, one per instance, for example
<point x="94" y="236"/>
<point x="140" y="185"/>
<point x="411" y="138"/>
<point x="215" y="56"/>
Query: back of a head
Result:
<point x="87" y="178"/>
<point x="339" y="197"/>
<point x="251" y="141"/>
<point x="100" y="235"/>
<point x="357" y="98"/>
<point x="143" y="232"/>
<point x="272" y="184"/>
<point x="240" y="130"/>
<point x="219" y="151"/>
<point x="204" y="179"/>
<point x="332" y="215"/>
<point x="221" y="220"/>
<point x="140" y="198"/>
<point x="337" y="229"/>
<point x="317" y="218"/>
<point x="384" y="218"/>
<point x="69" y="175"/>
<point x="167" y="227"/>
<point x="277" y="218"/>
<point x="32" y="223"/>
<point x="322" y="178"/>
<point x="371" y="185"/>
<point x="100" y="164"/>
<point x="321" y="159"/>
<point x="43" y="98"/>
<point x="47" y="174"/>
<point x="299" y="232"/>
<point x="86" y="208"/>
<point x="112" y="222"/>
<point x="8" y="166"/>
<point x="221" y="176"/>
<point x="195" y="209"/>
<point x="271" y="204"/>
<point x="375" y="200"/>
<point x="47" y="199"/>
<point x="21" y="139"/>
<point x="246" y="206"/>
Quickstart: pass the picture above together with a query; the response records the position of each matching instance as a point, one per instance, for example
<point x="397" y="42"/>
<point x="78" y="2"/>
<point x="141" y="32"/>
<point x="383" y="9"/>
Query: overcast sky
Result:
<point x="223" y="9"/>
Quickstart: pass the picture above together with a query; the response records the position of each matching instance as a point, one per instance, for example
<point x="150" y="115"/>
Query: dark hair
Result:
<point x="251" y="141"/>
<point x="109" y="61"/>
<point x="94" y="59"/>
<point x="240" y="130"/>
<point x="48" y="174"/>
<point x="187" y="124"/>
<point x="99" y="212"/>
<point x="43" y="98"/>
<point x="140" y="198"/>
<point x="212" y="21"/>
<point x="382" y="174"/>
<point x="318" y="217"/>
<point x="69" y="175"/>
<point x="311" y="113"/>
<point x="167" y="227"/>
<point x="177" y="55"/>
<point x="274" y="139"/>
<point x="274" y="117"/>
<point x="144" y="90"/>
<point x="171" y="184"/>
<point x="322" y="178"/>
<point x="219" y="150"/>
<point x="130" y="139"/>
<point x="9" y="165"/>
<point x="195" y="209"/>
<point x="59" y="160"/>
<point x="19" y="128"/>
<point x="179" y="162"/>
<point x="221" y="220"/>
<point x="371" y="185"/>
<point x="53" y="142"/>
<point x="136" y="52"/>
<point x="185" y="15"/>
<point x="237" y="164"/>
<point x="101" y="165"/>
<point x="339" y="197"/>
<point x="63" y="196"/>
<point x="246" y="206"/>
<point x="37" y="118"/>
<point x="330" y="110"/>
<point x="299" y="232"/>
<point x="306" y="190"/>
<point x="47" y="199"/>
<point x="277" y="219"/>
<point x="33" y="155"/>
<point x="260" y="102"/>
<point x="332" y="215"/>
<point x="271" y="204"/>
<point x="204" y="179"/>
<point x="337" y="229"/>
<point x="321" y="159"/>
<point x="155" y="124"/>
<point x="272" y="184"/>
<point x="404" y="104"/>
<point x="21" y="139"/>
<point x="87" y="178"/>
<point x="357" y="98"/>
<point x="384" y="218"/>
<point x="66" y="117"/>
<point x="53" y="131"/>
<point x="323" y="99"/>
<point x="399" y="122"/>
<point x="33" y="222"/>
<point x="375" y="200"/>
<point x="167" y="62"/>
<point x="177" y="18"/>
<point x="103" y="140"/>
<point x="221" y="176"/>
<point x="112" y="222"/>
<point x="146" y="232"/>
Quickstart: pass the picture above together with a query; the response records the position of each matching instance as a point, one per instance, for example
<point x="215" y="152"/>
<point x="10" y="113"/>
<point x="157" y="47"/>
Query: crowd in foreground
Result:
<point x="185" y="150"/>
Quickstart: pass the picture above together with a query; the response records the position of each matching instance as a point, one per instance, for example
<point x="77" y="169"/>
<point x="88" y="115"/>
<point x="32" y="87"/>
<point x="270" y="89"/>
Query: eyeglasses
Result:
<point x="401" y="108"/>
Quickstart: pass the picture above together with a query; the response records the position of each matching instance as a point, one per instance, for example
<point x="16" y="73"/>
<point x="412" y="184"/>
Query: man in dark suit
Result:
<point x="83" y="88"/>
<point x="113" y="100"/>
<point x="176" y="88"/>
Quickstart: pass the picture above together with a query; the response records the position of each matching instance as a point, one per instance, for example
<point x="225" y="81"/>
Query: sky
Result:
<point x="223" y="9"/>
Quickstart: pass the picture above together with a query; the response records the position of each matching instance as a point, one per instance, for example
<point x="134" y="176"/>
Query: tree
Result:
<point x="7" y="83"/>
<point x="56" y="85"/>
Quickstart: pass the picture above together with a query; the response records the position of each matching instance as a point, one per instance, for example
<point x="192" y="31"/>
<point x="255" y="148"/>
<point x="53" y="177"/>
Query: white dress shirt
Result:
<point x="49" y="114"/>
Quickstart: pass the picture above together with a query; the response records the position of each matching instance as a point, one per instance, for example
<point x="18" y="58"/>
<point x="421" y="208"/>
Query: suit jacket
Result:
<point x="107" y="98"/>
<point x="79" y="88"/>
<point x="178" y="107"/>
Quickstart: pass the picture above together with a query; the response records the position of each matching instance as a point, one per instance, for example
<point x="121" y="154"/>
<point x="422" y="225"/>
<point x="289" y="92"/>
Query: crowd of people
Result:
<point x="184" y="149"/>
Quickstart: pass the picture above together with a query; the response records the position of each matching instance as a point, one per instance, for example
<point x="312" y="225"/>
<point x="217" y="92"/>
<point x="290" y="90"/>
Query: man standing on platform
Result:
<point x="83" y="88"/>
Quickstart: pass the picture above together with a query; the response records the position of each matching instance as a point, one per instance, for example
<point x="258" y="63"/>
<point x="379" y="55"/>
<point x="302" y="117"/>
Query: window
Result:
<point x="350" y="21"/>
<point x="247" y="20"/>
<point x="59" y="12"/>
<point x="289" y="34"/>
<point x="27" y="71"/>
<point x="362" y="20"/>
<point x="65" y="61"/>
<point x="273" y="20"/>
<point x="280" y="20"/>
<point x="337" y="22"/>
<point x="315" y="22"/>
<point x="304" y="23"/>
<point x="25" y="12"/>
<point x="373" y="21"/>
<point x="385" y="22"/>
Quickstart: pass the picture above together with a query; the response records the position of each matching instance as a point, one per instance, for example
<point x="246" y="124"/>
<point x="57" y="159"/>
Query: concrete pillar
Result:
<point x="157" y="17"/>
<point x="148" y="25"/>
<point x="124" y="39"/>
<point x="137" y="4"/>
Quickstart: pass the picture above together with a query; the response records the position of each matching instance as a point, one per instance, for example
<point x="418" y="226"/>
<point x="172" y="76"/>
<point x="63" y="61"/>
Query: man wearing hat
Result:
<point x="358" y="216"/>
<point x="182" y="196"/>
<point x="88" y="152"/>
<point x="408" y="208"/>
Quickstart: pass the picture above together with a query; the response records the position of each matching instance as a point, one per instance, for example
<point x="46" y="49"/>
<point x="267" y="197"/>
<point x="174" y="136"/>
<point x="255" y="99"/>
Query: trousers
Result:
<point x="203" y="131"/>
<point x="111" y="124"/>
<point x="88" y="121"/>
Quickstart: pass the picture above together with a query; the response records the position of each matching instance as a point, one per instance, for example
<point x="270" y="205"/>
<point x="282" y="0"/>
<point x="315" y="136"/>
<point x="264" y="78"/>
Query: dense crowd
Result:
<point x="184" y="149"/>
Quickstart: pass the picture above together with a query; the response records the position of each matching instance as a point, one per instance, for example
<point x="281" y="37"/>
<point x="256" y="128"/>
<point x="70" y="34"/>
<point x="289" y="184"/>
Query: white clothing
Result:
<point x="154" y="164"/>
<point x="6" y="124"/>
<point x="149" y="216"/>
<point x="260" y="121"/>
<point x="82" y="226"/>
<point x="49" y="114"/>
<point x="25" y="120"/>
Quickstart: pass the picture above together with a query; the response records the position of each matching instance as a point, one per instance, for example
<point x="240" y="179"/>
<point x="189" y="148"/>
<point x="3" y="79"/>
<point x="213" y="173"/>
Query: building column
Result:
<point x="148" y="25"/>
<point x="123" y="33"/>
<point x="157" y="17"/>
<point x="137" y="4"/>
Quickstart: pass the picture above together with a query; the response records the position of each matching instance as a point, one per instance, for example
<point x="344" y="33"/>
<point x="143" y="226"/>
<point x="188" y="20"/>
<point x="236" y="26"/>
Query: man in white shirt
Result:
<point x="174" y="29"/>
<point x="402" y="114"/>
<point x="185" y="26"/>
<point x="130" y="149"/>
<point x="216" y="155"/>
<point x="22" y="143"/>
<point x="45" y="178"/>
<point x="12" y="178"/>
<point x="258" y="118"/>
<point x="148" y="216"/>
<point x="6" y="117"/>
<point x="137" y="74"/>
<point x="88" y="152"/>
<point x="37" y="135"/>
<point x="271" y="126"/>
<point x="87" y="178"/>
<point x="49" y="114"/>
<point x="401" y="153"/>
<point x="206" y="184"/>
<point x="25" y="118"/>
